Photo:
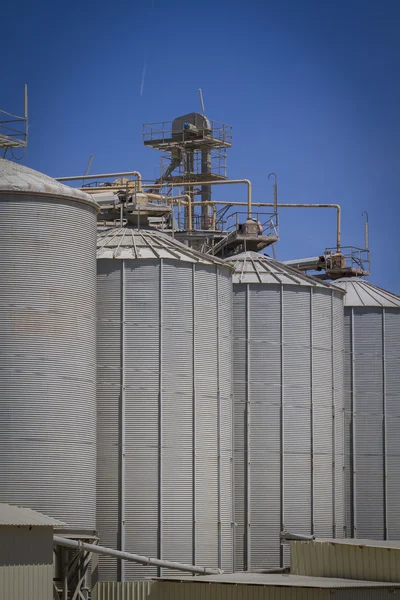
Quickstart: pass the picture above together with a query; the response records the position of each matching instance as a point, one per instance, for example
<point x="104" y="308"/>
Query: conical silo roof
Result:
<point x="360" y="292"/>
<point x="252" y="267"/>
<point x="16" y="178"/>
<point x="132" y="244"/>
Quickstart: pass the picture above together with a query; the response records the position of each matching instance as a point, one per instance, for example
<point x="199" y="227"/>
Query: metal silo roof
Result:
<point x="17" y="515"/>
<point x="362" y="293"/>
<point x="252" y="267"/>
<point x="131" y="243"/>
<point x="20" y="179"/>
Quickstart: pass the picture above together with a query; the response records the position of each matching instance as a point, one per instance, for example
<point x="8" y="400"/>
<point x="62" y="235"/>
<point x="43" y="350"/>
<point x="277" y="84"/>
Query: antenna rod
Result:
<point x="201" y="101"/>
<point x="275" y="195"/>
<point x="26" y="112"/>
<point x="26" y="101"/>
<point x="366" y="229"/>
<point x="89" y="163"/>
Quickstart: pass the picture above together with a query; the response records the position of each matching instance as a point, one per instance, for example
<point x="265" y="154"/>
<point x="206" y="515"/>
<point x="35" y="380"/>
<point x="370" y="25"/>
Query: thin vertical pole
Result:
<point x="122" y="427"/>
<point x="384" y="428"/>
<point x="282" y="431"/>
<point x="194" y="430"/>
<point x="333" y="423"/>
<point x="312" y="409"/>
<point x="219" y="499"/>
<point x="353" y="433"/>
<point x="247" y="565"/>
<point x="160" y="420"/>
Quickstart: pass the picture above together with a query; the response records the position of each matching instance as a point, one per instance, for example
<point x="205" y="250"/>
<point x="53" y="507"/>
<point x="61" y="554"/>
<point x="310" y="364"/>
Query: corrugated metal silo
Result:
<point x="288" y="409"/>
<point x="47" y="346"/>
<point x="164" y="477"/>
<point x="372" y="410"/>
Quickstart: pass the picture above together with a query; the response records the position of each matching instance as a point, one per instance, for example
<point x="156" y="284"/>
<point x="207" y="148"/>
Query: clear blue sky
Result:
<point x="311" y="89"/>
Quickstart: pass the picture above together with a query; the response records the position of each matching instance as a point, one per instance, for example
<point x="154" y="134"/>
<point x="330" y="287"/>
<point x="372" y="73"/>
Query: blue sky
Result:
<point x="311" y="90"/>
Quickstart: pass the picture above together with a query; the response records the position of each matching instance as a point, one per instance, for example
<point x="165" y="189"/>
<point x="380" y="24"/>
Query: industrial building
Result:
<point x="26" y="554"/>
<point x="357" y="559"/>
<point x="182" y="401"/>
<point x="249" y="586"/>
<point x="255" y="586"/>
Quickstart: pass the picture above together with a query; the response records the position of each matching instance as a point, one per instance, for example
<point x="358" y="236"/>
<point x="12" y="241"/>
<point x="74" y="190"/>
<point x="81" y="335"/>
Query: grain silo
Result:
<point x="47" y="346"/>
<point x="164" y="477"/>
<point x="288" y="409"/>
<point x="372" y="410"/>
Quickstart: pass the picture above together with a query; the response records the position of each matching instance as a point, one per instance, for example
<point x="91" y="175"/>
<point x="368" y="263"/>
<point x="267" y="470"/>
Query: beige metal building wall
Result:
<point x="26" y="582"/>
<point x="351" y="559"/>
<point x="26" y="554"/>
<point x="127" y="590"/>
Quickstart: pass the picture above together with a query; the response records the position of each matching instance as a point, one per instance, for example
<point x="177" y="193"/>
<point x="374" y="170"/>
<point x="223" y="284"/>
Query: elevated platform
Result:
<point x="189" y="132"/>
<point x="223" y="244"/>
<point x="235" y="243"/>
<point x="193" y="177"/>
<point x="193" y="143"/>
<point x="7" y="141"/>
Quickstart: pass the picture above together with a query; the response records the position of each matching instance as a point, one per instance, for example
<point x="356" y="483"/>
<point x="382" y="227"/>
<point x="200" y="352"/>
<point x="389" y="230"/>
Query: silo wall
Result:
<point x="288" y="418"/>
<point x="372" y="391"/>
<point x="164" y="476"/>
<point x="47" y="349"/>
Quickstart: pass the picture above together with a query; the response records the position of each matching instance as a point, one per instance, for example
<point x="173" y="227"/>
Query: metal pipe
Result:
<point x="137" y="558"/>
<point x="205" y="183"/>
<point x="292" y="537"/>
<point x="279" y="205"/>
<point x="188" y="203"/>
<point x="104" y="176"/>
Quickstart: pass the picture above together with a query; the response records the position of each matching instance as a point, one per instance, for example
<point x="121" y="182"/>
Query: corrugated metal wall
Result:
<point x="372" y="390"/>
<point x="164" y="476"/>
<point x="288" y="418"/>
<point x="48" y="356"/>
<point x="19" y="582"/>
<point x="129" y="590"/>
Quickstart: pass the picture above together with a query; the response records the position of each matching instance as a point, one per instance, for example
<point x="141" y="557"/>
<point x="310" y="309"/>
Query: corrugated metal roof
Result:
<point x="131" y="243"/>
<point x="18" y="178"/>
<point x="389" y="544"/>
<point x="360" y="292"/>
<point x="293" y="581"/>
<point x="252" y="267"/>
<point x="16" y="515"/>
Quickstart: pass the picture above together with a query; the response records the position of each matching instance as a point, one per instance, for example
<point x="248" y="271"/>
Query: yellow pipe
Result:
<point x="202" y="183"/>
<point x="269" y="205"/>
<point x="171" y="199"/>
<point x="104" y="176"/>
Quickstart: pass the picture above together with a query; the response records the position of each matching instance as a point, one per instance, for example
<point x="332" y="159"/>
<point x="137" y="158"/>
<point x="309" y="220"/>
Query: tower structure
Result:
<point x="194" y="152"/>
